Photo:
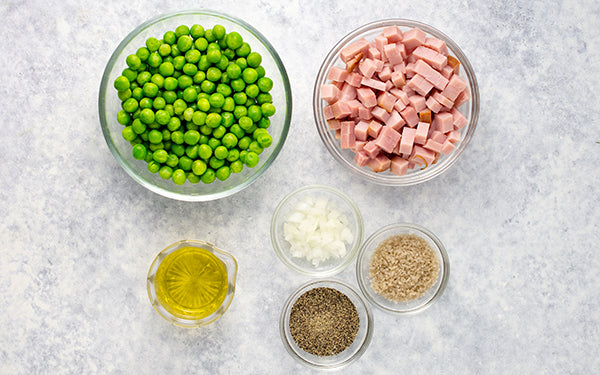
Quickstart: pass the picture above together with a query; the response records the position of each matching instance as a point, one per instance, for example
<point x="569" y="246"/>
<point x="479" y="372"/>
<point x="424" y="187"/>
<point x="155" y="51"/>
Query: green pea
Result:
<point x="179" y="62"/>
<point x="199" y="167"/>
<point x="160" y="156"/>
<point x="223" y="173"/>
<point x="170" y="37"/>
<point x="213" y="74"/>
<point x="154" y="136"/>
<point x="236" y="130"/>
<point x="191" y="137"/>
<point x="240" y="111"/>
<point x="172" y="160"/>
<point x="166" y="69"/>
<point x="193" y="178"/>
<point x="213" y="56"/>
<point x="192" y="151"/>
<point x="214" y="143"/>
<point x="170" y="84"/>
<point x="234" y="71"/>
<point x="201" y="44"/>
<point x="162" y="117"/>
<point x="222" y="63"/>
<point x="138" y="126"/>
<point x="251" y="159"/>
<point x="208" y="176"/>
<point x="137" y="93"/>
<point x="190" y="69"/>
<point x="179" y="176"/>
<point x="255" y="113"/>
<point x="263" y="98"/>
<point x="213" y="120"/>
<point x="152" y="44"/>
<point x="233" y="155"/>
<point x="264" y="123"/>
<point x="268" y="109"/>
<point x="205" y="130"/>
<point x="224" y="89"/>
<point x="182" y="30"/>
<point x="185" y="163"/>
<point x="154" y="60"/>
<point x="174" y="124"/>
<point x="123" y="117"/>
<point x="199" y="118"/>
<point x="244" y="143"/>
<point x="255" y="147"/>
<point x="260" y="70"/>
<point x="221" y="152"/>
<point x="265" y="84"/>
<point x="234" y="40"/>
<point x="228" y="106"/>
<point x="252" y="91"/>
<point x="164" y="50"/>
<point x="205" y="151"/>
<point x="190" y="94"/>
<point x="217" y="100"/>
<point x="215" y="163"/>
<point x="128" y="133"/>
<point x="133" y="61"/>
<point x="196" y="31"/>
<point x="229" y="53"/>
<point x="146" y="103"/>
<point x="159" y="103"/>
<point x="219" y="31"/>
<point x="219" y="132"/>
<point x="153" y="166"/>
<point x="130" y="74"/>
<point x="227" y="118"/>
<point x="240" y="98"/>
<point x="249" y="75"/>
<point x="243" y="50"/>
<point x="121" y="83"/>
<point x="184" y="81"/>
<point x="177" y="137"/>
<point x="203" y="104"/>
<point x="178" y="150"/>
<point x="165" y="172"/>
<point x="147" y="116"/>
<point x="245" y="122"/>
<point x="229" y="140"/>
<point x="150" y="89"/>
<point x="207" y="86"/>
<point x="187" y="116"/>
<point x="209" y="35"/>
<point x="236" y="166"/>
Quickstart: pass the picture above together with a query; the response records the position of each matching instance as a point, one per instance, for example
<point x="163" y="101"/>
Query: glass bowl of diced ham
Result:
<point x="396" y="101"/>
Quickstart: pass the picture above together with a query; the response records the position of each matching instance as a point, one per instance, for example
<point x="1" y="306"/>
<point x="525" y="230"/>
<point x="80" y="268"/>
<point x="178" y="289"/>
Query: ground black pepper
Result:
<point x="324" y="321"/>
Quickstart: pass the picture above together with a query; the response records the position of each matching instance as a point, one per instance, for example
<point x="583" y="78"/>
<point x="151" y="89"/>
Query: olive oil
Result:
<point x="191" y="283"/>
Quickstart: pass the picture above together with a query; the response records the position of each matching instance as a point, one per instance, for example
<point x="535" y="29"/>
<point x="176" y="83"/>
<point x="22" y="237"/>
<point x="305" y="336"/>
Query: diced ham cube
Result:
<point x="367" y="97"/>
<point x="443" y="122"/>
<point x="379" y="64"/>
<point x="425" y="115"/>
<point x="436" y="45"/>
<point x="445" y="102"/>
<point x="354" y="79"/>
<point x="367" y="67"/>
<point x="392" y="34"/>
<point x="431" y="57"/>
<point x="373" y="83"/>
<point x="400" y="68"/>
<point x="407" y="140"/>
<point x="447" y="147"/>
<point x="371" y="149"/>
<point x="386" y="101"/>
<point x="348" y="139"/>
<point x="385" y="74"/>
<point x="453" y="136"/>
<point x="417" y="102"/>
<point x="388" y="139"/>
<point x="447" y="71"/>
<point x="410" y="70"/>
<point x="358" y="145"/>
<point x="455" y="86"/>
<point x="395" y="121"/>
<point x="374" y="128"/>
<point x="354" y="106"/>
<point x="334" y="124"/>
<point x="337" y="74"/>
<point x="413" y="38"/>
<point x="328" y="112"/>
<point x="398" y="166"/>
<point x="330" y="93"/>
<point x="380" y="113"/>
<point x="433" y="76"/>
<point x="380" y="163"/>
<point x="340" y="109"/>
<point x="432" y="145"/>
<point x="459" y="119"/>
<point x="380" y="41"/>
<point x="422" y="132"/>
<point x="462" y="98"/>
<point x="361" y="131"/>
<point x="361" y="158"/>
<point x="393" y="53"/>
<point x="364" y="113"/>
<point x="361" y="45"/>
<point x="410" y="116"/>
<point x="348" y="92"/>
<point x="437" y="136"/>
<point x="401" y="95"/>
<point x="419" y="84"/>
<point x="399" y="105"/>
<point x="374" y="53"/>
<point x="422" y="156"/>
<point x="398" y="79"/>
<point x="433" y="104"/>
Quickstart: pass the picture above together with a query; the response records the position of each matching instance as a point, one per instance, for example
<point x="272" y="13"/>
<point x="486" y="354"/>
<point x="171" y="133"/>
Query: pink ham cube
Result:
<point x="394" y="53"/>
<point x="337" y="74"/>
<point x="455" y="86"/>
<point x="364" y="113"/>
<point x="380" y="163"/>
<point x="447" y="147"/>
<point x="328" y="112"/>
<point x="354" y="106"/>
<point x="410" y="116"/>
<point x="380" y="113"/>
<point x="417" y="102"/>
<point x="348" y="138"/>
<point x="437" y="136"/>
<point x="433" y="145"/>
<point x="392" y="34"/>
<point x="354" y="79"/>
<point x="380" y="41"/>
<point x="447" y="71"/>
<point x="361" y="131"/>
<point x="398" y="166"/>
<point x="386" y="101"/>
<point x="422" y="156"/>
<point x="361" y="158"/>
<point x="433" y="76"/>
<point x="330" y="93"/>
<point x="407" y="140"/>
<point x="385" y="74"/>
<point x="340" y="110"/>
<point x="374" y="53"/>
<point x="371" y="149"/>
<point x="459" y="119"/>
<point x="348" y="52"/>
<point x="433" y="104"/>
<point x="347" y="93"/>
<point x="413" y="38"/>
<point x="367" y="67"/>
<point x="401" y="95"/>
<point x="367" y="97"/>
<point x="374" y="129"/>
<point x="388" y="139"/>
<point x="373" y="83"/>
<point x="453" y="136"/>
<point x="398" y="79"/>
<point x="420" y="85"/>
<point x="463" y="97"/>
<point x="443" y="122"/>
<point x="334" y="124"/>
<point x="422" y="132"/>
<point x="431" y="57"/>
<point x="395" y="121"/>
<point x="437" y="45"/>
<point x="445" y="102"/>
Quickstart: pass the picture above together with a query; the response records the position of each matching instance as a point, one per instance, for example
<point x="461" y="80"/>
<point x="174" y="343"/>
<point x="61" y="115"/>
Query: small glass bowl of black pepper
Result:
<point x="402" y="268"/>
<point x="326" y="324"/>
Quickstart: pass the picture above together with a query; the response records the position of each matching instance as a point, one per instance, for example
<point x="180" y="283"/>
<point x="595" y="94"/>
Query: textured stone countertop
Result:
<point x="518" y="213"/>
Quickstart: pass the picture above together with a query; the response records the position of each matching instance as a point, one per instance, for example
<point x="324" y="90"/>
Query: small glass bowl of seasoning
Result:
<point x="402" y="268"/>
<point x="316" y="230"/>
<point x="191" y="283"/>
<point x="326" y="324"/>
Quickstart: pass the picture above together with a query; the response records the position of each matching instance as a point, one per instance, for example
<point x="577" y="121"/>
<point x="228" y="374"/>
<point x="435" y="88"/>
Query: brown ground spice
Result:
<point x="403" y="267"/>
<point x="324" y="321"/>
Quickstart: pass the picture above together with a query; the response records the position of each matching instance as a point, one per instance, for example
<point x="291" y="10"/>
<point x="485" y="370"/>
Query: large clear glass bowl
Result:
<point x="109" y="104"/>
<point x="346" y="157"/>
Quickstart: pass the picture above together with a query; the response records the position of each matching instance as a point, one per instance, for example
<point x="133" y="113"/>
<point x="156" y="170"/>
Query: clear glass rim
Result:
<point x="342" y="287"/>
<point x="351" y="254"/>
<point x="104" y="84"/>
<point x="362" y="279"/>
<point x="389" y="179"/>
<point x="228" y="260"/>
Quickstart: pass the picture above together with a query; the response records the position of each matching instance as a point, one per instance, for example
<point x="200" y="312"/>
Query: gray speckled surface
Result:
<point x="518" y="212"/>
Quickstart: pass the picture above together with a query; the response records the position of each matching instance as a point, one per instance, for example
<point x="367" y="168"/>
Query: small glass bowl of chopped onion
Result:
<point x="316" y="230"/>
<point x="402" y="268"/>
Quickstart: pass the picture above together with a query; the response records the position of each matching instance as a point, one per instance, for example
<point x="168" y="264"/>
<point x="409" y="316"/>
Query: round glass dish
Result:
<point x="364" y="259"/>
<point x="336" y="200"/>
<point x="109" y="104"/>
<point x="346" y="357"/>
<point x="179" y="317"/>
<point x="346" y="157"/>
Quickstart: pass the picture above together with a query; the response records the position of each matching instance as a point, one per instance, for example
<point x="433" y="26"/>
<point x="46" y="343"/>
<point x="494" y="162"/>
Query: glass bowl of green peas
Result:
<point x="195" y="105"/>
